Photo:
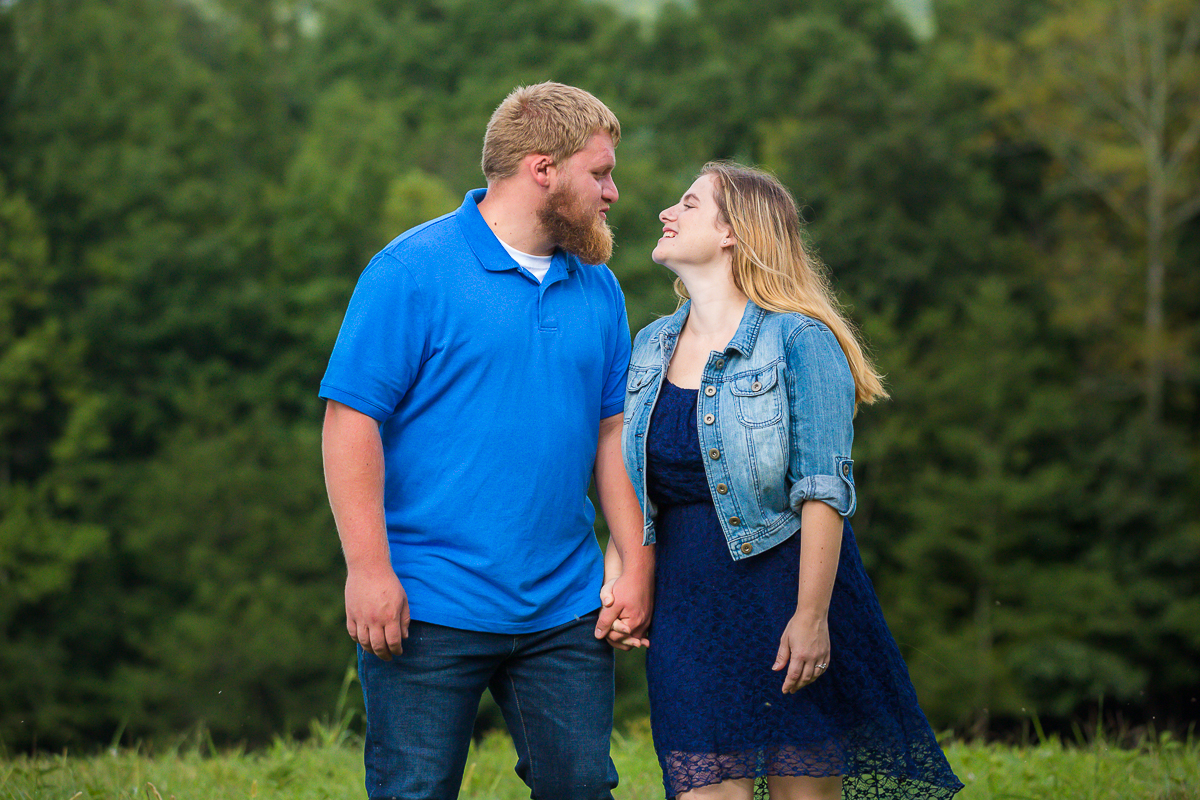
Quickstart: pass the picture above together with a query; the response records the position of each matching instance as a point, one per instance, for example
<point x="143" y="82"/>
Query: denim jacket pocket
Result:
<point x="639" y="379"/>
<point x="759" y="397"/>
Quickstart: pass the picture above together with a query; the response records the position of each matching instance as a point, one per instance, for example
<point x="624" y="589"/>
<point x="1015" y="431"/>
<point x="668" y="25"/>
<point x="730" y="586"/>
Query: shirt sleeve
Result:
<point x="821" y="394"/>
<point x="612" y="400"/>
<point x="382" y="342"/>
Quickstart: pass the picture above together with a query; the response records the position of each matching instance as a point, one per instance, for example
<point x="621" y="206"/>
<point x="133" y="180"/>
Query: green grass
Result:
<point x="330" y="766"/>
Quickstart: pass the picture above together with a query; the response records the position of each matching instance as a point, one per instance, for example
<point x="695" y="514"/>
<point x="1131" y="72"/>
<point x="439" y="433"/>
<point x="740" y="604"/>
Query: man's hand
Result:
<point x="626" y="605"/>
<point x="377" y="611"/>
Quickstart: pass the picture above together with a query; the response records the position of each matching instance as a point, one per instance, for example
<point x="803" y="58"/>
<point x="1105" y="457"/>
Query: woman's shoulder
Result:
<point x="805" y="340"/>
<point x="652" y="330"/>
<point x="790" y="324"/>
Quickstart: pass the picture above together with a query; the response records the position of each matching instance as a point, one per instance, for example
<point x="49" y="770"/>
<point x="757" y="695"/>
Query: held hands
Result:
<point x="377" y="611"/>
<point x="803" y="650"/>
<point x="626" y="602"/>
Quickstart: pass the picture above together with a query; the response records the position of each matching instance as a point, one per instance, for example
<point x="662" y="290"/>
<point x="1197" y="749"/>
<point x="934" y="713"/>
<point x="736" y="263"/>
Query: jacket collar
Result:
<point x="743" y="340"/>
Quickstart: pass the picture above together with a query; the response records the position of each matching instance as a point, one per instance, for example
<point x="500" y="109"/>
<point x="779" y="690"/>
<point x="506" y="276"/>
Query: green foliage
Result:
<point x="414" y="198"/>
<point x="1108" y="88"/>
<point x="189" y="190"/>
<point x="340" y="175"/>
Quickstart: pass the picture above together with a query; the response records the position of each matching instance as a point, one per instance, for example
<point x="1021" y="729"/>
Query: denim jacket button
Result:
<point x="734" y="521"/>
<point x="722" y="488"/>
<point x="754" y="387"/>
<point x="846" y="470"/>
<point x="710" y="390"/>
<point x="747" y="548"/>
<point x="714" y="454"/>
<point x="720" y="362"/>
<point x="709" y="419"/>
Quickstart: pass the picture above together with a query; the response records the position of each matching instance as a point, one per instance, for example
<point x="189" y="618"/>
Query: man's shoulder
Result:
<point x="425" y="240"/>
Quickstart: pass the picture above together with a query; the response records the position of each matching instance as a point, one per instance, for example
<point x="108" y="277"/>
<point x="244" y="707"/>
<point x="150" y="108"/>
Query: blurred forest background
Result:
<point x="1006" y="193"/>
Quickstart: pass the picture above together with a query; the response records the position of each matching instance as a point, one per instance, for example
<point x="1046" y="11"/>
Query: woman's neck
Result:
<point x="717" y="307"/>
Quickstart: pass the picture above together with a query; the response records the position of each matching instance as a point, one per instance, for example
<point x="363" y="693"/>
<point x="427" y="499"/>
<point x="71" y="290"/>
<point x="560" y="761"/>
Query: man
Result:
<point x="476" y="385"/>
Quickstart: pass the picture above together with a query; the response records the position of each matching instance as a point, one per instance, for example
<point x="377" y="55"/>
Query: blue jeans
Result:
<point x="554" y="687"/>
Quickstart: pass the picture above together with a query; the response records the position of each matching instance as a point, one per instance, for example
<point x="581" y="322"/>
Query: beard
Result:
<point x="571" y="227"/>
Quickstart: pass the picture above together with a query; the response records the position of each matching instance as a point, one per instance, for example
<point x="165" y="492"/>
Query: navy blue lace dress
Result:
<point x="717" y="709"/>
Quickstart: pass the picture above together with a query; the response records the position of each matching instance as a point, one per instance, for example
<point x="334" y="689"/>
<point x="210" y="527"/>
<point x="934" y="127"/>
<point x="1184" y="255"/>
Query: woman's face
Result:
<point x="692" y="232"/>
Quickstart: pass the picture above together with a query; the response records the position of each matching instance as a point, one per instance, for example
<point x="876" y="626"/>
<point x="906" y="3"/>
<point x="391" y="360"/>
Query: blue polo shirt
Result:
<point x="489" y="389"/>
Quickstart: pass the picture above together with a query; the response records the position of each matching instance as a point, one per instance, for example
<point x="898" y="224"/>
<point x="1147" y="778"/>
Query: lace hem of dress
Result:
<point x="686" y="771"/>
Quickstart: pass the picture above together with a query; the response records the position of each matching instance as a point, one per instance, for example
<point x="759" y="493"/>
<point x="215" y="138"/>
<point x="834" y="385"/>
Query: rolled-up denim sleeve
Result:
<point x="821" y="398"/>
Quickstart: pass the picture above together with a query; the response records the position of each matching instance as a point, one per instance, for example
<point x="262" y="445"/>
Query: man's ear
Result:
<point x="541" y="168"/>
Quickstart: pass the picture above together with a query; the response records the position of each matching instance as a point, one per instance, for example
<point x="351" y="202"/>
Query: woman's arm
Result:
<point x="612" y="571"/>
<point x="820" y="471"/>
<point x="804" y="645"/>
<point x="821" y="430"/>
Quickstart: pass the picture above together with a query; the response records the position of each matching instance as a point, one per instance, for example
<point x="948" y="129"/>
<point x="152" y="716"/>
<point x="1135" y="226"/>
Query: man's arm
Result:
<point x="633" y="591"/>
<point x="376" y="605"/>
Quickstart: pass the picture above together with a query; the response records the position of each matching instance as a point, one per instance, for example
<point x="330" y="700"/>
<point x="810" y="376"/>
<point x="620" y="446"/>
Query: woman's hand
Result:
<point x="613" y="567"/>
<point x="803" y="650"/>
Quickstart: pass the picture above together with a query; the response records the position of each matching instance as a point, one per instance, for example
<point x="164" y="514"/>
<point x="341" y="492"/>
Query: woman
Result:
<point x="769" y="657"/>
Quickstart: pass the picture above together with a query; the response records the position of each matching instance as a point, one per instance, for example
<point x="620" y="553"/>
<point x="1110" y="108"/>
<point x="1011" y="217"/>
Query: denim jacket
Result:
<point x="775" y="417"/>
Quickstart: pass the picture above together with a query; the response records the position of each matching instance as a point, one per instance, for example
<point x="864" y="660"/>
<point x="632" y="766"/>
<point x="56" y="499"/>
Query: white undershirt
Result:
<point x="538" y="266"/>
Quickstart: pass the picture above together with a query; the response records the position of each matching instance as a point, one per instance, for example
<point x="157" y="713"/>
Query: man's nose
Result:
<point x="610" y="191"/>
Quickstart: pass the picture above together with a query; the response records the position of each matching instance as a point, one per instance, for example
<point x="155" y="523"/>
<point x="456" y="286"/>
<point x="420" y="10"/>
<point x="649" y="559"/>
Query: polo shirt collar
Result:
<point x="742" y="341"/>
<point x="486" y="245"/>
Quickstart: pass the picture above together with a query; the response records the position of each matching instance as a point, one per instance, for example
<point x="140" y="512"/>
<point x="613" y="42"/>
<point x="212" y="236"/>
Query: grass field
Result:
<point x="330" y="766"/>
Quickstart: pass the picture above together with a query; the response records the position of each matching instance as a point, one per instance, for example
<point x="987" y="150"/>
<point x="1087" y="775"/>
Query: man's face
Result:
<point x="575" y="213"/>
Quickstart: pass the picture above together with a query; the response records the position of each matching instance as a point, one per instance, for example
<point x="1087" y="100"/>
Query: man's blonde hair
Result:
<point x="548" y="118"/>
<point x="773" y="267"/>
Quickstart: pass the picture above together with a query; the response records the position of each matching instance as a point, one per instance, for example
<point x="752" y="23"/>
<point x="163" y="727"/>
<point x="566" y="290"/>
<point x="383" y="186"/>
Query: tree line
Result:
<point x="189" y="189"/>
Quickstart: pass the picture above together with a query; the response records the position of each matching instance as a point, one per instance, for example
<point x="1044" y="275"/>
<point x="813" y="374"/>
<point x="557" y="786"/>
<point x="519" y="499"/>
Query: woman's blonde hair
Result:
<point x="548" y="118"/>
<point x="774" y="269"/>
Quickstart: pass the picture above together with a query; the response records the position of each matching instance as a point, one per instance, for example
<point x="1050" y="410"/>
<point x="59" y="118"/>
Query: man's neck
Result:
<point x="510" y="211"/>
